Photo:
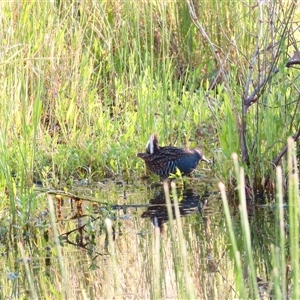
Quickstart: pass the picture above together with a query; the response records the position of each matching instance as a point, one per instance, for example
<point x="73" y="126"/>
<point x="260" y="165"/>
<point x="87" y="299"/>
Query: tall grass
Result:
<point x="86" y="85"/>
<point x="83" y="84"/>
<point x="260" y="105"/>
<point x="284" y="280"/>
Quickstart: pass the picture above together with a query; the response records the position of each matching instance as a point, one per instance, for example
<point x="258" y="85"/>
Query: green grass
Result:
<point x="84" y="84"/>
<point x="277" y="250"/>
<point x="87" y="84"/>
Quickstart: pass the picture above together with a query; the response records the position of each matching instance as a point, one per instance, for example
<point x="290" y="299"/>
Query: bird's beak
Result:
<point x="205" y="159"/>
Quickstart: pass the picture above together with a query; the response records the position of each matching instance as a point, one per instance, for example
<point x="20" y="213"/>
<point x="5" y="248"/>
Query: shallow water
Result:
<point x="141" y="255"/>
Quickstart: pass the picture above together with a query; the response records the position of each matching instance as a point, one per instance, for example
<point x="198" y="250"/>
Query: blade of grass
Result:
<point x="293" y="193"/>
<point x="189" y="286"/>
<point x="112" y="251"/>
<point x="65" y="284"/>
<point x="28" y="273"/>
<point x="245" y="226"/>
<point x="236" y="254"/>
<point x="281" y="293"/>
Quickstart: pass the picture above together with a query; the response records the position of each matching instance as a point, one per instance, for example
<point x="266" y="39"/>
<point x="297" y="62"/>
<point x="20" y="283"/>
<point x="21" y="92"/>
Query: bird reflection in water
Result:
<point x="191" y="202"/>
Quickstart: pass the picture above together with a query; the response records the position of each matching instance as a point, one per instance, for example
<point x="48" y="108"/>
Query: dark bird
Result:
<point x="164" y="160"/>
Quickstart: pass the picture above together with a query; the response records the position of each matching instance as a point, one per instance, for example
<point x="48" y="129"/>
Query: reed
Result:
<point x="84" y="84"/>
<point x="283" y="283"/>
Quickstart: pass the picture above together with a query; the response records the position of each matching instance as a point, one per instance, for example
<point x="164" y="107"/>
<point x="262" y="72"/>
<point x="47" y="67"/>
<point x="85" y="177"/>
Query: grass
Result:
<point x="284" y="279"/>
<point x="85" y="84"/>
<point x="91" y="82"/>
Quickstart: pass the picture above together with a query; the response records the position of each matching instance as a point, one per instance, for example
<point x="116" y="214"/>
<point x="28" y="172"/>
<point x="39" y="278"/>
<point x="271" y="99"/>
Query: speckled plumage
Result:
<point x="164" y="160"/>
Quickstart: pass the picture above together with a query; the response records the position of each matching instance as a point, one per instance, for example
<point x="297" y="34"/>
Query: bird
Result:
<point x="163" y="161"/>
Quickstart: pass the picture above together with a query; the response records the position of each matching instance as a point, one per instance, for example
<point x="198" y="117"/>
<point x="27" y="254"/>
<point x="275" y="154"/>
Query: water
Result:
<point x="142" y="255"/>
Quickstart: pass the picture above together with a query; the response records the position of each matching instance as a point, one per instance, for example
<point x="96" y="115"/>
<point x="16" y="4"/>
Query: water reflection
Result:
<point x="126" y="261"/>
<point x="190" y="202"/>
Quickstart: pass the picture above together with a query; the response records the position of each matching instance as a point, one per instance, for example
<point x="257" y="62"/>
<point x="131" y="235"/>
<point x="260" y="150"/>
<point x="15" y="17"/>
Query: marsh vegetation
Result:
<point x="84" y="84"/>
